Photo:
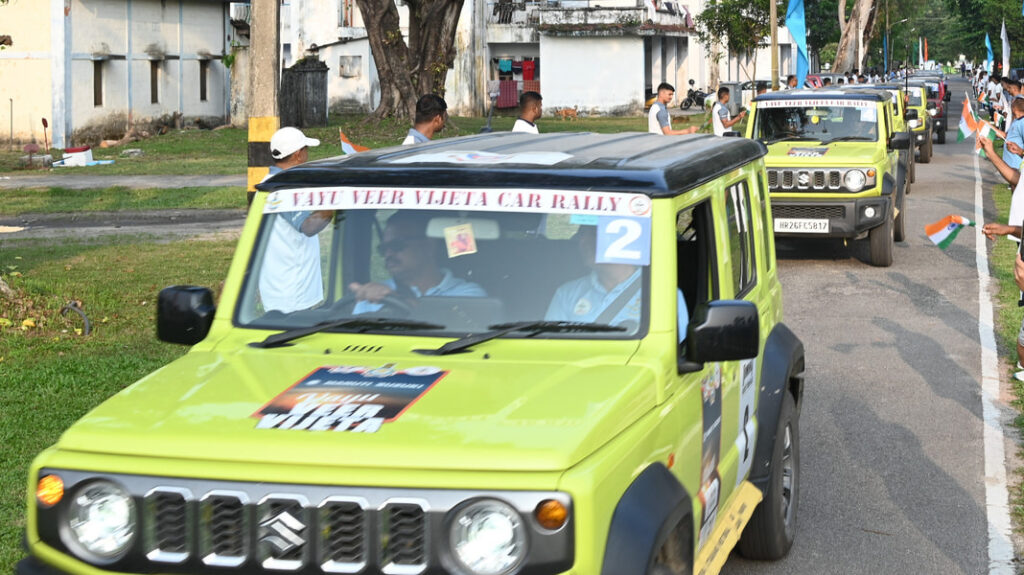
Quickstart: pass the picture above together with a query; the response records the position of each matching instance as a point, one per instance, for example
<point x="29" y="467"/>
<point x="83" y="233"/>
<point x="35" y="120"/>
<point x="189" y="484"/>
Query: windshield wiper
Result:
<point x="786" y="139"/>
<point x="849" y="139"/>
<point x="534" y="327"/>
<point x="355" y="323"/>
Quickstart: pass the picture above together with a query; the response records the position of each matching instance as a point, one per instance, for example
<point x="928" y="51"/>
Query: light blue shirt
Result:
<point x="585" y="299"/>
<point x="1015" y="135"/>
<point x="415" y="137"/>
<point x="450" y="286"/>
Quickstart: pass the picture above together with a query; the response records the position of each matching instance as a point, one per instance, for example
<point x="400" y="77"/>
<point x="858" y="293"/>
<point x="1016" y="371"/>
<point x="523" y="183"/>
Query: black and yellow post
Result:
<point x="260" y="160"/>
<point x="264" y="59"/>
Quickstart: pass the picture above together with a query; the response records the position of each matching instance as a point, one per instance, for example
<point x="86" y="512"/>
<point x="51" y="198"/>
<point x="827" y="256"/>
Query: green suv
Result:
<point x="835" y="167"/>
<point x="524" y="354"/>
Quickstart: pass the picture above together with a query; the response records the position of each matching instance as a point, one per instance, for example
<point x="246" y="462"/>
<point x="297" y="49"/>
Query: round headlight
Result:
<point x="854" y="180"/>
<point x="101" y="520"/>
<point x="933" y="112"/>
<point x="488" y="538"/>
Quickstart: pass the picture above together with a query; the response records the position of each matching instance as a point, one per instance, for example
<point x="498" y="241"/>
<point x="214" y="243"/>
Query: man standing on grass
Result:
<point x="431" y="117"/>
<point x="290" y="278"/>
<point x="530" y="110"/>
<point x="658" y="121"/>
<point x="720" y="117"/>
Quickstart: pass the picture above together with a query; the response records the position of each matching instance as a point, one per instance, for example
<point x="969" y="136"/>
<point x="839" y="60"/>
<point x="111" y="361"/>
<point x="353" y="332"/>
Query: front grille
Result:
<point x="828" y="179"/>
<point x="258" y="528"/>
<point x="809" y="212"/>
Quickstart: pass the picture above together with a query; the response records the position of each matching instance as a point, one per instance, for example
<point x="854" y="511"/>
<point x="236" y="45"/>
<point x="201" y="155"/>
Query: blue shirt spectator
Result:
<point x="1016" y="135"/>
<point x="450" y="286"/>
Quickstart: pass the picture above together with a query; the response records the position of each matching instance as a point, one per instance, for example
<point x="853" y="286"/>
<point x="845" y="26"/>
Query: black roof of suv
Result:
<point x="871" y="93"/>
<point x="651" y="164"/>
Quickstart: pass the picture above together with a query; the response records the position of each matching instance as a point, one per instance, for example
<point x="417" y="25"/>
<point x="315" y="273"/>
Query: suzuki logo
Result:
<point x="283" y="531"/>
<point x="804" y="178"/>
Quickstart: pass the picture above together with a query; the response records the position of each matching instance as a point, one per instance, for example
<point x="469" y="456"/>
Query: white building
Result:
<point x="97" y="67"/>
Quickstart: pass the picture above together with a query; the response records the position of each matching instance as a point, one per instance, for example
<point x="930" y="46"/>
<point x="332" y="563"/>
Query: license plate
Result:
<point x="801" y="226"/>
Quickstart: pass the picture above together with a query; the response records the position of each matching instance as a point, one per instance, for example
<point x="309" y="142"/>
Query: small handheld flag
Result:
<point x="943" y="232"/>
<point x="968" y="121"/>
<point x="348" y="147"/>
<point x="985" y="130"/>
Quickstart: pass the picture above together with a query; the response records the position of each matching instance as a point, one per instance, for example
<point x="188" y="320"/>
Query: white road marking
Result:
<point x="1000" y="547"/>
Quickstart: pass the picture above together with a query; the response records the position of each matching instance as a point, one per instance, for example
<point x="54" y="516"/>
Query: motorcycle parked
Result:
<point x="693" y="96"/>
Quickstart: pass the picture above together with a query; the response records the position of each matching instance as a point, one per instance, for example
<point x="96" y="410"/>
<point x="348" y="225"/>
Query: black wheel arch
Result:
<point x="646" y="513"/>
<point x="782" y="366"/>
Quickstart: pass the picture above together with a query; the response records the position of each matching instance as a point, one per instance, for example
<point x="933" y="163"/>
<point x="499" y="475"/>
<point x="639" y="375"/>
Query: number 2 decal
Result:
<point x="622" y="240"/>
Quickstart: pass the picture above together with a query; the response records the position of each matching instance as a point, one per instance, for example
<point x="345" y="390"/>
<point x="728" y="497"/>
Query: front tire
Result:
<point x="912" y="167"/>
<point x="882" y="240"/>
<point x="899" y="231"/>
<point x="772" y="527"/>
<point x="926" y="149"/>
<point x="675" y="555"/>
<point x="942" y="135"/>
<point x="687" y="103"/>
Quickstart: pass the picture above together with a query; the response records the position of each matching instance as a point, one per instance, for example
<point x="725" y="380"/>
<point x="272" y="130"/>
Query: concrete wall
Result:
<point x="598" y="75"/>
<point x="25" y="71"/>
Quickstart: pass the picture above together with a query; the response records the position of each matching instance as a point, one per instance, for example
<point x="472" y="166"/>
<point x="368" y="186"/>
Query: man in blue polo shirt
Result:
<point x="610" y="293"/>
<point x="411" y="259"/>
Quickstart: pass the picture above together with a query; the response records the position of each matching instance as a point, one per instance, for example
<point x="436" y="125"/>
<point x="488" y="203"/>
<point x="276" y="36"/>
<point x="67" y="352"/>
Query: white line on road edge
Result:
<point x="1000" y="547"/>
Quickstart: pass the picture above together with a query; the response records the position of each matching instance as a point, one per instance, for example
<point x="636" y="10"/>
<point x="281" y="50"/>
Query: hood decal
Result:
<point x="348" y="398"/>
<point x="807" y="152"/>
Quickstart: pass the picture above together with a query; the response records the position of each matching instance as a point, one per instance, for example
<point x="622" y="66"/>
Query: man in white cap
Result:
<point x="290" y="278"/>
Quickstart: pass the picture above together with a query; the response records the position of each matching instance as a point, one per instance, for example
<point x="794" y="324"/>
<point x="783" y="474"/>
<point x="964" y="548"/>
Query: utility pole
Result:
<point x="264" y="61"/>
<point x="774" y="18"/>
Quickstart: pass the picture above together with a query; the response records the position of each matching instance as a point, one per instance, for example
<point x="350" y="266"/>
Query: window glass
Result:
<point x="462" y="270"/>
<point x="740" y="237"/>
<point x="766" y="222"/>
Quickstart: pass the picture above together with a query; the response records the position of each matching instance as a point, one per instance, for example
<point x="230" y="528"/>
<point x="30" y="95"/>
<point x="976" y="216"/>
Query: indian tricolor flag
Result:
<point x="348" y="147"/>
<point x="968" y="121"/>
<point x="943" y="232"/>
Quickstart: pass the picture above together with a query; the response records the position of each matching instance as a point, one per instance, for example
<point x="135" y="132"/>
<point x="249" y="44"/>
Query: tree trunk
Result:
<point x="862" y="20"/>
<point x="407" y="72"/>
<point x="391" y="56"/>
<point x="432" y="28"/>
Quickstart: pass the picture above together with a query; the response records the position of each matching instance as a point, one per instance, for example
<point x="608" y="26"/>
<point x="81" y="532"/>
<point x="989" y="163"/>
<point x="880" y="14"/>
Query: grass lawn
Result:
<point x="57" y="200"/>
<point x="225" y="151"/>
<point x="49" y="375"/>
<point x="1008" y="317"/>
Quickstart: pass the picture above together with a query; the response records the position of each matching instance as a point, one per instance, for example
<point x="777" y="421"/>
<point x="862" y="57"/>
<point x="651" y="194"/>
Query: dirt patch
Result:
<point x="165" y="224"/>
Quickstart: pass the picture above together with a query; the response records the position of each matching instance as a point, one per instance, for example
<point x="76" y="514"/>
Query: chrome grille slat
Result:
<point x="403" y="537"/>
<point x="166" y="537"/>
<point x="224" y="528"/>
<point x="343" y="526"/>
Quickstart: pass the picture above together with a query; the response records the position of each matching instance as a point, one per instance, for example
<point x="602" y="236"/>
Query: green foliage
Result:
<point x="827" y="53"/>
<point x="743" y="24"/>
<point x="822" y="20"/>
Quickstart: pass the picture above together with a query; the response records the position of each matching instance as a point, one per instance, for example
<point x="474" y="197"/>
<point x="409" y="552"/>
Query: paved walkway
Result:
<point x="87" y="181"/>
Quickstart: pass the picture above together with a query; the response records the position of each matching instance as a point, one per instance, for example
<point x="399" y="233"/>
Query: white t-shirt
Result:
<point x="290" y="278"/>
<point x="658" y="118"/>
<point x="720" y="115"/>
<point x="1017" y="207"/>
<point x="522" y="125"/>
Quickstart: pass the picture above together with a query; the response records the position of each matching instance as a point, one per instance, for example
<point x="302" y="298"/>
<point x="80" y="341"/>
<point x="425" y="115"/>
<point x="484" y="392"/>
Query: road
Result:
<point x="83" y="181"/>
<point x="893" y="476"/>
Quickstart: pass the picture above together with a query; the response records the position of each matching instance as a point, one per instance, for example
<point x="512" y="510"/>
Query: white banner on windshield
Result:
<point x="489" y="200"/>
<point x="823" y="103"/>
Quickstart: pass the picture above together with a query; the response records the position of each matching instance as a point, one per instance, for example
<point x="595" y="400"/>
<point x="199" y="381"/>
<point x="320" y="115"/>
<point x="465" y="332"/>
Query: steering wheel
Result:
<point x="387" y="302"/>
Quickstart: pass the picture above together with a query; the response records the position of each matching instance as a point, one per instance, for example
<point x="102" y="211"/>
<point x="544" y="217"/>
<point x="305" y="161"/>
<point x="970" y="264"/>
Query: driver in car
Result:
<point x="609" y="294"/>
<point x="412" y="260"/>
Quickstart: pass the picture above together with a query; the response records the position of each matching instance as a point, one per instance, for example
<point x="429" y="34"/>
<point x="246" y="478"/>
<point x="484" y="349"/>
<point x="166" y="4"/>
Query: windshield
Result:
<point x="824" y="122"/>
<point x="416" y="255"/>
<point x="915" y="97"/>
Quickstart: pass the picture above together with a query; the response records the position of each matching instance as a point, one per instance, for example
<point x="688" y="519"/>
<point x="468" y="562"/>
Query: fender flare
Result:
<point x="781" y="365"/>
<point x="649" y="509"/>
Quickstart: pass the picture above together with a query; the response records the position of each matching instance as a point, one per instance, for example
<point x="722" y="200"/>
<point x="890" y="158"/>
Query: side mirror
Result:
<point x="692" y="82"/>
<point x="725" y="330"/>
<point x="900" y="141"/>
<point x="184" y="314"/>
<point x="911" y="115"/>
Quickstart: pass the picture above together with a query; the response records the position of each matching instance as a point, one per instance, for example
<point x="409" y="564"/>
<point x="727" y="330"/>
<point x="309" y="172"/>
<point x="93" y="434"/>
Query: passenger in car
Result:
<point x="412" y="260"/>
<point x="609" y="294"/>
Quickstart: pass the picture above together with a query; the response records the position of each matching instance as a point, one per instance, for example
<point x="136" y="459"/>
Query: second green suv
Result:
<point x="834" y="165"/>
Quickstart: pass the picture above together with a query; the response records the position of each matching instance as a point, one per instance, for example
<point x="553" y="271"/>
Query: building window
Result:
<point x="154" y="82"/>
<point x="97" y="83"/>
<point x="204" y="71"/>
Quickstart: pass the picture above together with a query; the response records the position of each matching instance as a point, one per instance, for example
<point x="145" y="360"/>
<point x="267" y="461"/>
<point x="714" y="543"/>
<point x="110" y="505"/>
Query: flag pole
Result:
<point x="774" y="17"/>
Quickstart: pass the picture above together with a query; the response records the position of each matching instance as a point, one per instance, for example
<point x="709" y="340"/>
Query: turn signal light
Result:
<point x="551" y="514"/>
<point x="50" y="490"/>
<point x="871" y="173"/>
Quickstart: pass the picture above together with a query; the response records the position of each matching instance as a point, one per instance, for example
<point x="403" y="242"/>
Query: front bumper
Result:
<point x="32" y="566"/>
<point x="846" y="218"/>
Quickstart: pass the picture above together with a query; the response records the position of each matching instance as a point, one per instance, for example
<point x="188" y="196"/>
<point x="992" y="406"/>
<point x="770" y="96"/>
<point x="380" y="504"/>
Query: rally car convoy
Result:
<point x="534" y="354"/>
